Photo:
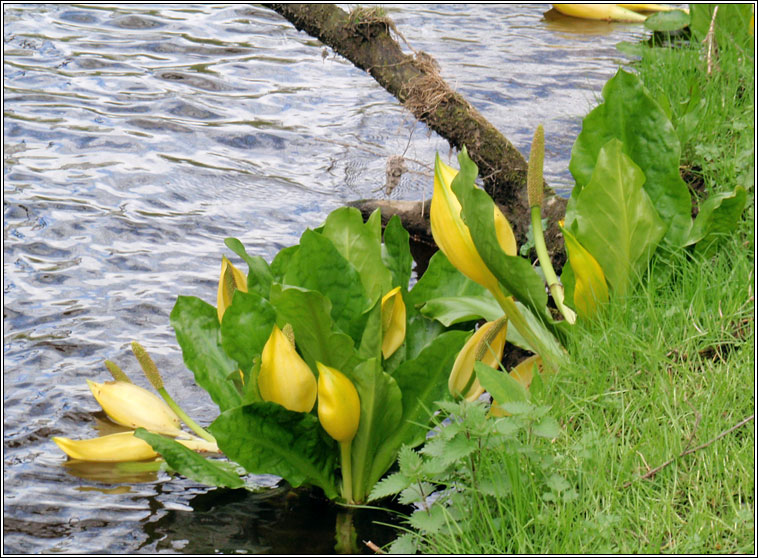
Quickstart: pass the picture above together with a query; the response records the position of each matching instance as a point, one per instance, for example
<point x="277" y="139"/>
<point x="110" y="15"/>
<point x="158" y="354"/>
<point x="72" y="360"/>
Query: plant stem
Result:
<point x="556" y="289"/>
<point x="347" y="471"/>
<point x="195" y="427"/>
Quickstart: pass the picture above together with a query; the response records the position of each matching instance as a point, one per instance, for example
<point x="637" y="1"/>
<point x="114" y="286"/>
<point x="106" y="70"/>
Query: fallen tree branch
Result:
<point x="364" y="37"/>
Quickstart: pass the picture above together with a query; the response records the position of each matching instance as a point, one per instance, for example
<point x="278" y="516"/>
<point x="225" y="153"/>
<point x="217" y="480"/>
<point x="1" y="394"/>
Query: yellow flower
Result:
<point x="339" y="407"/>
<point x="453" y="236"/>
<point x="123" y="446"/>
<point x="393" y="322"/>
<point x="487" y="344"/>
<point x="523" y="374"/>
<point x="285" y="378"/>
<point x="590" y="287"/>
<point x="231" y="279"/>
<point x="130" y="405"/>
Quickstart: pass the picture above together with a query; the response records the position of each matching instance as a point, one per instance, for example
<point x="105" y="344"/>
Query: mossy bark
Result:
<point x="365" y="37"/>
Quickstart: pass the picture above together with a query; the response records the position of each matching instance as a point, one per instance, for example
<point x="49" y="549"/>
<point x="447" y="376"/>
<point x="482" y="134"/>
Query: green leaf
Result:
<point x="396" y="253"/>
<point x="278" y="442"/>
<point x="309" y="313"/>
<point x="319" y="266"/>
<point x="381" y="412"/>
<point x="732" y="23"/>
<point x="614" y="219"/>
<point x="453" y="310"/>
<point x="422" y="381"/>
<point x="389" y="486"/>
<point x="259" y="275"/>
<point x="360" y="244"/>
<point x="440" y="280"/>
<point x="281" y="262"/>
<point x="246" y="327"/>
<point x="500" y="385"/>
<point x="547" y="427"/>
<point x="630" y="115"/>
<point x="199" y="336"/>
<point x="430" y="521"/>
<point x="371" y="341"/>
<point x="188" y="463"/>
<point x="672" y="20"/>
<point x="718" y="217"/>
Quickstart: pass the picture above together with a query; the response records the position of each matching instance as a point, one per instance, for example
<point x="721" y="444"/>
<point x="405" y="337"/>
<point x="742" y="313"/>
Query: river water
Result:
<point x="138" y="137"/>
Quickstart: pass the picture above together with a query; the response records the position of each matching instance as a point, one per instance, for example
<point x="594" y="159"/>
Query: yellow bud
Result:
<point x="590" y="287"/>
<point x="339" y="407"/>
<point x="453" y="236"/>
<point x="231" y="279"/>
<point x="487" y="344"/>
<point x="285" y="378"/>
<point x="393" y="322"/>
<point x="130" y="405"/>
<point x="123" y="446"/>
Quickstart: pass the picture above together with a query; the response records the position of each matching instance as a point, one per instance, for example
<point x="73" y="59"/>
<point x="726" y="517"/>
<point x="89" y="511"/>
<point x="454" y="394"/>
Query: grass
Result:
<point x="651" y="457"/>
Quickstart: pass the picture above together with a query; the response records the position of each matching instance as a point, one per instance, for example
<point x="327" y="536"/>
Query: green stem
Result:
<point x="195" y="427"/>
<point x="347" y="471"/>
<point x="556" y="289"/>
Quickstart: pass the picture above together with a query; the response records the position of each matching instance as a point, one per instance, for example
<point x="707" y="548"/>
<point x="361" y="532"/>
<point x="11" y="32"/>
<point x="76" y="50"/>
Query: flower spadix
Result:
<point x="339" y="406"/>
<point x="130" y="405"/>
<point x="393" y="322"/>
<point x="590" y="288"/>
<point x="231" y="280"/>
<point x="285" y="378"/>
<point x="485" y="345"/>
<point x="453" y="236"/>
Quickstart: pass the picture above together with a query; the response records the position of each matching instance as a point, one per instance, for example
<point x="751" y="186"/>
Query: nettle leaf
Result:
<point x="514" y="273"/>
<point x="614" y="219"/>
<point x="396" y="252"/>
<point x="381" y="412"/>
<point x="278" y="442"/>
<point x="309" y="313"/>
<point x="718" y="217"/>
<point x="319" y="266"/>
<point x="454" y="310"/>
<point x="389" y="486"/>
<point x="188" y="463"/>
<point x="547" y="427"/>
<point x="199" y="335"/>
<point x="630" y="115"/>
<point x="361" y="244"/>
<point x="422" y="381"/>
<point x="259" y="275"/>
<point x="440" y="280"/>
<point x="246" y="327"/>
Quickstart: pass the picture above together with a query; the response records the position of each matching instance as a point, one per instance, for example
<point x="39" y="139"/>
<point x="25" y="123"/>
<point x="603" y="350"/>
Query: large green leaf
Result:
<point x="514" y="273"/>
<point x="630" y="115"/>
<point x="266" y="438"/>
<point x="381" y="412"/>
<point x="419" y="332"/>
<point x="422" y="381"/>
<point x="199" y="335"/>
<point x="371" y="342"/>
<point x="614" y="219"/>
<point x="456" y="309"/>
<point x="500" y="385"/>
<point x="315" y="334"/>
<point x="319" y="266"/>
<point x="396" y="252"/>
<point x="442" y="279"/>
<point x="718" y="217"/>
<point x="360" y="244"/>
<point x="246" y="327"/>
<point x="189" y="463"/>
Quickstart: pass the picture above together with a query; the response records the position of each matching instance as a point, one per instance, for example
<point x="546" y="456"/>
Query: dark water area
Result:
<point x="135" y="139"/>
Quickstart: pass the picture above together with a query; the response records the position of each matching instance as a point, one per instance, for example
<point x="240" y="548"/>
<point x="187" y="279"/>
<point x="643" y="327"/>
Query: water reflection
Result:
<point x="136" y="138"/>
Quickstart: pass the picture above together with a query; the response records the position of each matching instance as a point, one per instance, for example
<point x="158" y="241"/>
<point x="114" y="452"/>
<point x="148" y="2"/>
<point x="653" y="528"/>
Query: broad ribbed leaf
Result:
<point x="259" y="275"/>
<point x="630" y="115"/>
<point x="246" y="327"/>
<point x="199" y="335"/>
<point x="614" y="219"/>
<point x="442" y="279"/>
<point x="396" y="253"/>
<point x="278" y="442"/>
<point x="189" y="463"/>
<point x="457" y="309"/>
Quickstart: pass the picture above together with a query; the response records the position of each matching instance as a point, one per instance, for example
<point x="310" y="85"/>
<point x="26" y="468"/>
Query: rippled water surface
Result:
<point x="138" y="137"/>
